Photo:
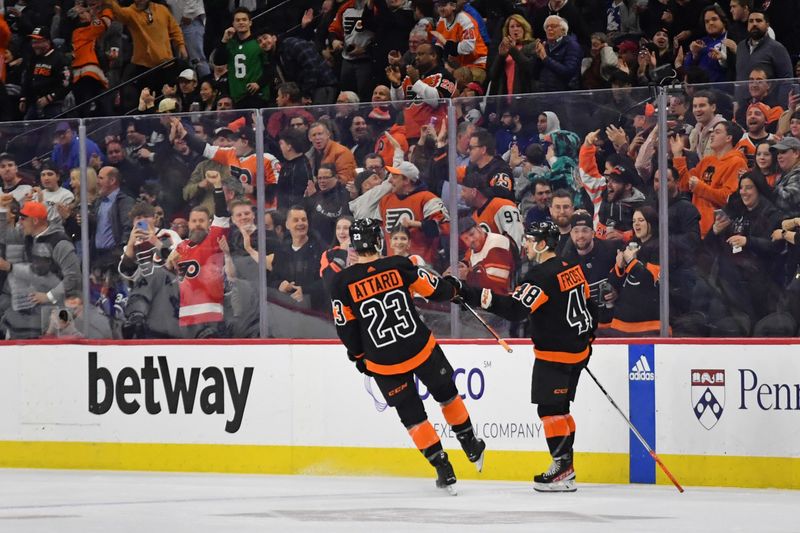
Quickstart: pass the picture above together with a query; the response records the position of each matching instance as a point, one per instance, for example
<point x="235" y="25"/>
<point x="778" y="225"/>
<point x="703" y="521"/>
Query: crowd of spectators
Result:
<point x="355" y="125"/>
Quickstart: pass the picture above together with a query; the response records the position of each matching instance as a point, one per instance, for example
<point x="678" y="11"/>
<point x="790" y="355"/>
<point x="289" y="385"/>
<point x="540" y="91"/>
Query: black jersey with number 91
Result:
<point x="375" y="316"/>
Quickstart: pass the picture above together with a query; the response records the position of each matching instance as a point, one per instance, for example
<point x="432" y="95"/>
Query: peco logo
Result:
<point x="472" y="380"/>
<point x="641" y="371"/>
<point x="179" y="389"/>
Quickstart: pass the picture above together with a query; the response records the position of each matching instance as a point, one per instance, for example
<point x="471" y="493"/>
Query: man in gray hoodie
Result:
<point x="48" y="270"/>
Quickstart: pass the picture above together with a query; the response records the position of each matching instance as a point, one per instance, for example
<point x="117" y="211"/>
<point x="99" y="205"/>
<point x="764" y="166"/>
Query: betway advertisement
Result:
<point x="305" y="395"/>
<point x="729" y="400"/>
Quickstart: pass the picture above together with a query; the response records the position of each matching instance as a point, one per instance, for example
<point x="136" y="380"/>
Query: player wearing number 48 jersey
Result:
<point x="554" y="296"/>
<point x="379" y="325"/>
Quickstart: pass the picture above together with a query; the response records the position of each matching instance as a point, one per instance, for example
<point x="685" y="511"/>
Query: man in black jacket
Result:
<point x="295" y="265"/>
<point x="296" y="173"/>
<point x="328" y="203"/>
<point x="45" y="80"/>
<point x="684" y="242"/>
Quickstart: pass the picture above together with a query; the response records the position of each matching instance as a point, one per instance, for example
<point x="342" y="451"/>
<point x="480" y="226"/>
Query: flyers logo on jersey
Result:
<point x="242" y="174"/>
<point x="188" y="269"/>
<point x="502" y="180"/>
<point x="393" y="216"/>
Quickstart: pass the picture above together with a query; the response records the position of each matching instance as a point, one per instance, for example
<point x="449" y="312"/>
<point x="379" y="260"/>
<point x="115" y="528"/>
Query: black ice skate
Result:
<point x="560" y="477"/>
<point x="444" y="470"/>
<point x="473" y="447"/>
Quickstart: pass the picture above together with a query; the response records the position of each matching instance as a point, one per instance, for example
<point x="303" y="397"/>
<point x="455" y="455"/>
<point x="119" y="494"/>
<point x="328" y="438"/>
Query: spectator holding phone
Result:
<point x="148" y="246"/>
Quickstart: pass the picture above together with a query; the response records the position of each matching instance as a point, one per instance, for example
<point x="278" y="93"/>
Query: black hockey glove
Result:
<point x="361" y="366"/>
<point x="457" y="286"/>
<point x="471" y="295"/>
<point x="134" y="326"/>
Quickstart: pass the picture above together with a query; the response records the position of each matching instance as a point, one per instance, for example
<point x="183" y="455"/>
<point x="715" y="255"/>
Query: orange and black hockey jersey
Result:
<point x="375" y="316"/>
<point x="84" y="38"/>
<point x="244" y="169"/>
<point x="554" y="296"/>
<point x="425" y="94"/>
<point x="499" y="215"/>
<point x="421" y="205"/>
<point x="637" y="308"/>
<point x="469" y="44"/>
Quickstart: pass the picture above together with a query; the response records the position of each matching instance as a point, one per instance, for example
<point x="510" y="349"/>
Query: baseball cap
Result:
<point x="621" y="174"/>
<point x="167" y="105"/>
<point x="476" y="87"/>
<point x="62" y="126"/>
<point x="787" y="143"/>
<point x="465" y="224"/>
<point x="406" y="169"/>
<point x="40" y="32"/>
<point x="582" y="218"/>
<point x="771" y="114"/>
<point x="628" y="46"/>
<point x="362" y="176"/>
<point x="224" y="132"/>
<point x="7" y="156"/>
<point x="188" y="74"/>
<point x="474" y="180"/>
<point x="34" y="210"/>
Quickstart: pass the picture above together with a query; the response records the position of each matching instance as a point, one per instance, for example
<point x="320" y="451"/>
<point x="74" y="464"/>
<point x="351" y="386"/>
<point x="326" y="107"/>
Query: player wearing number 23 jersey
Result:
<point x="379" y="325"/>
<point x="375" y="315"/>
<point x="554" y="296"/>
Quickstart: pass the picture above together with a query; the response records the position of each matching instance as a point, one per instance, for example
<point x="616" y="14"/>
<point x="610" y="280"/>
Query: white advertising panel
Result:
<point x="306" y="395"/>
<point x="735" y="400"/>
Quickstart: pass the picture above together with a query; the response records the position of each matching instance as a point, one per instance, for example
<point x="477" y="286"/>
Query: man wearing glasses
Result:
<point x="154" y="32"/>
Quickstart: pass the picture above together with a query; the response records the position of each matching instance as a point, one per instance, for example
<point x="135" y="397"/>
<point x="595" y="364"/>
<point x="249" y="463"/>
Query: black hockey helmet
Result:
<point x="366" y="235"/>
<point x="544" y="231"/>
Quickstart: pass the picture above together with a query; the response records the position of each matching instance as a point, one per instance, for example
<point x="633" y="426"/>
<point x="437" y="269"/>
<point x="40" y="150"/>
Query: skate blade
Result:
<point x="560" y="486"/>
<point x="479" y="462"/>
<point x="451" y="490"/>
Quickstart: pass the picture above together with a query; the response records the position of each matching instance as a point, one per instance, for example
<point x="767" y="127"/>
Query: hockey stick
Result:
<point x="460" y="301"/>
<point x="638" y="435"/>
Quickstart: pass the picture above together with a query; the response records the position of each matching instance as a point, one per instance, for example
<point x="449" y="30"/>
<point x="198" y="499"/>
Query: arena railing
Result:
<point x="705" y="288"/>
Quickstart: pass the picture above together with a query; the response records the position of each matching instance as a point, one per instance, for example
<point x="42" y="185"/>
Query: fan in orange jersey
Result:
<point x="88" y="78"/>
<point x="242" y="159"/>
<point x="426" y="82"/>
<point x="493" y="213"/>
<point x="5" y="38"/>
<point x="411" y="205"/>
<point x="457" y="32"/>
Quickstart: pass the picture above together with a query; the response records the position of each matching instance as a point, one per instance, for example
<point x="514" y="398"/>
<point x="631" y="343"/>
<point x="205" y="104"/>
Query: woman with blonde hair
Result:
<point x="71" y="213"/>
<point x="511" y="71"/>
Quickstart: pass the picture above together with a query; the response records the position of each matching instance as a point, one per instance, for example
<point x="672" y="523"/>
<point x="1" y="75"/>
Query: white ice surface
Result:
<point x="111" y="502"/>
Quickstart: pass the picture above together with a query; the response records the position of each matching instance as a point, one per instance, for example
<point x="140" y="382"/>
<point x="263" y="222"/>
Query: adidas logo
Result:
<point x="641" y="371"/>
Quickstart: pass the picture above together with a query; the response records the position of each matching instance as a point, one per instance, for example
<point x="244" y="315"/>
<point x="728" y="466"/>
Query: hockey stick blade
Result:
<point x="635" y="431"/>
